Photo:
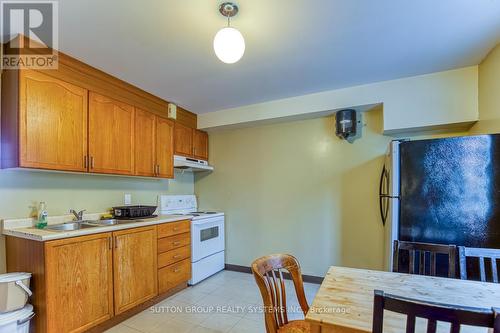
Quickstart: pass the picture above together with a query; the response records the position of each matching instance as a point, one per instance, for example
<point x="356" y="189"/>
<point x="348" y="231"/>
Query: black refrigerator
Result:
<point x="443" y="191"/>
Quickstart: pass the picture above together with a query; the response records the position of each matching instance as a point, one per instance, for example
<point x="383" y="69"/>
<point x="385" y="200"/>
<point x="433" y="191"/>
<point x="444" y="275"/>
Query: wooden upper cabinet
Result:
<point x="52" y="123"/>
<point x="111" y="135"/>
<point x="183" y="140"/>
<point x="200" y="144"/>
<point x="191" y="142"/>
<point x="79" y="282"/>
<point x="135" y="267"/>
<point x="77" y="118"/>
<point x="154" y="145"/>
<point x="165" y="147"/>
<point x="145" y="143"/>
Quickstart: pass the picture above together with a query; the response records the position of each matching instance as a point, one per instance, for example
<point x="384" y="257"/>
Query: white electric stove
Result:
<point x="207" y="235"/>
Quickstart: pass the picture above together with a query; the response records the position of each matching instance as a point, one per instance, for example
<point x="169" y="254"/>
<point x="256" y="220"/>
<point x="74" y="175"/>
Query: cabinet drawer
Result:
<point x="171" y="257"/>
<point x="173" y="228"/>
<point x="171" y="276"/>
<point x="173" y="242"/>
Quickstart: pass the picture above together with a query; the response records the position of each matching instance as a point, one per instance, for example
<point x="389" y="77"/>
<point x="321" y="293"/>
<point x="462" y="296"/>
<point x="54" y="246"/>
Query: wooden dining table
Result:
<point x="344" y="302"/>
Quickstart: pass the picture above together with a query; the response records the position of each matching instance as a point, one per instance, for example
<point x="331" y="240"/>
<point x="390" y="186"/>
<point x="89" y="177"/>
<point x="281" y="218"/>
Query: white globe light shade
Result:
<point x="229" y="45"/>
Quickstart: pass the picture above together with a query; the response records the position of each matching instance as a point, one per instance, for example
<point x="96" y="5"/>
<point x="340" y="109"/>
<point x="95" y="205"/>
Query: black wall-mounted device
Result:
<point x="345" y="121"/>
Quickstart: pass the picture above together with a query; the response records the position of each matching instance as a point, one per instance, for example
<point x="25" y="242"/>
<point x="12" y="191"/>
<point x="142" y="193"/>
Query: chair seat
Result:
<point x="295" y="326"/>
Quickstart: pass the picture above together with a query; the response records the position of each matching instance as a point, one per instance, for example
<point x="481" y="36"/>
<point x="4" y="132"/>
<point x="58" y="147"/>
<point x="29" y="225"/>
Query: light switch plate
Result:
<point x="128" y="199"/>
<point x="172" y="111"/>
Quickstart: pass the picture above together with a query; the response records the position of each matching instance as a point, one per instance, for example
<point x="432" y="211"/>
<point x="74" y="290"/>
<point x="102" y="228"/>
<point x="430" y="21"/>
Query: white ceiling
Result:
<point x="293" y="47"/>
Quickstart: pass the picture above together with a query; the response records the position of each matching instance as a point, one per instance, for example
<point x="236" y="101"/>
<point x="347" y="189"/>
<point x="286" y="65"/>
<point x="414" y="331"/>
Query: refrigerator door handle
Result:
<point x="383" y="196"/>
<point x="382" y="210"/>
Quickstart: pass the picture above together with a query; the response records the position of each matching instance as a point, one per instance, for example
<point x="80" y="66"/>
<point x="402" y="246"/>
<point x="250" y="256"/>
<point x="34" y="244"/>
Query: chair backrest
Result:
<point x="481" y="254"/>
<point x="422" y="249"/>
<point x="268" y="273"/>
<point x="433" y="312"/>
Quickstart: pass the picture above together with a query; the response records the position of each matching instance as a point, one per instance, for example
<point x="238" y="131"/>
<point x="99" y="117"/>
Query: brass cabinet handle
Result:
<point x="116" y="242"/>
<point x="176" y="228"/>
<point x="110" y="242"/>
<point x="176" y="257"/>
<point x="176" y="243"/>
<point x="85" y="162"/>
<point x="177" y="270"/>
<point x="91" y="162"/>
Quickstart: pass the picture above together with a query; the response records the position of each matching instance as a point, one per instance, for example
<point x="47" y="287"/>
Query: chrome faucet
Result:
<point x="79" y="215"/>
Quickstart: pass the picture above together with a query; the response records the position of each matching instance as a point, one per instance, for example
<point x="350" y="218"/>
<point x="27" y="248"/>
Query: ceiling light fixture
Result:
<point x="229" y="44"/>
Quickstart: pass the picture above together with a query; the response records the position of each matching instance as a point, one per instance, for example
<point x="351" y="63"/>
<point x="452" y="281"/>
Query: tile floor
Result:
<point x="226" y="302"/>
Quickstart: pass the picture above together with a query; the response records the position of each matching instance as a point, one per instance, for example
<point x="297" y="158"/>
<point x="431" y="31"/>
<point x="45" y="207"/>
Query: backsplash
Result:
<point x="21" y="190"/>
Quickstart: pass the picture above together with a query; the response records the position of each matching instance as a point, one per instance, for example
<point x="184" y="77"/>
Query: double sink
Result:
<point x="85" y="224"/>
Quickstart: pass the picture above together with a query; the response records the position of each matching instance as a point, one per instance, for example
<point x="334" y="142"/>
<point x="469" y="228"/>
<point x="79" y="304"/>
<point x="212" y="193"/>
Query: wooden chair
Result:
<point x="481" y="254"/>
<point x="423" y="249"/>
<point x="433" y="312"/>
<point x="268" y="273"/>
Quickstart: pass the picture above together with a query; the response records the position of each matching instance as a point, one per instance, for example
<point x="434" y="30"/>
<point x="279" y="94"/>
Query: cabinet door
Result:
<point x="165" y="147"/>
<point x="135" y="267"/>
<point x="111" y="135"/>
<point x="53" y="123"/>
<point x="183" y="140"/>
<point x="200" y="145"/>
<point x="79" y="282"/>
<point x="145" y="143"/>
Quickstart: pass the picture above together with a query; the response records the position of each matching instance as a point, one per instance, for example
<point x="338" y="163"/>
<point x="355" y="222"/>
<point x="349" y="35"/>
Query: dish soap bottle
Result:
<point x="42" y="216"/>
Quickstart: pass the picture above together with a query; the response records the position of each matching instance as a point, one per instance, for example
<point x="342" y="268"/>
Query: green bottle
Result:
<point x="42" y="216"/>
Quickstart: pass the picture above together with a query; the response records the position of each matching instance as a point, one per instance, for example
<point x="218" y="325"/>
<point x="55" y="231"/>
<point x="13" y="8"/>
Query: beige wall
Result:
<point x="489" y="94"/>
<point x="410" y="104"/>
<point x="295" y="187"/>
<point x="20" y="190"/>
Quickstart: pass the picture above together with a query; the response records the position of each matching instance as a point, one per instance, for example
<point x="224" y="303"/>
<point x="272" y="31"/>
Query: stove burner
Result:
<point x="195" y="213"/>
<point x="136" y="218"/>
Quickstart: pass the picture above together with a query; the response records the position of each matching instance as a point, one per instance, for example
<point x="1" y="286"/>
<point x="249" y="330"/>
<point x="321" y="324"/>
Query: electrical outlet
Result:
<point x="128" y="199"/>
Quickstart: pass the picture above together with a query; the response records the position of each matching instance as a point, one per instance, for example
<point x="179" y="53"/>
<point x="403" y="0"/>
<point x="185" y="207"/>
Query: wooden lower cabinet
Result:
<point x="173" y="242"/>
<point x="87" y="281"/>
<point x="171" y="276"/>
<point x="135" y="268"/>
<point x="174" y="254"/>
<point x="174" y="228"/>
<point x="171" y="257"/>
<point x="79" y="282"/>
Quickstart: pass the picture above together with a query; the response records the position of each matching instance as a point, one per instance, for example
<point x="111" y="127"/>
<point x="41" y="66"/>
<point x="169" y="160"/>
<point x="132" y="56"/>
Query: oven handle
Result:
<point x="208" y="224"/>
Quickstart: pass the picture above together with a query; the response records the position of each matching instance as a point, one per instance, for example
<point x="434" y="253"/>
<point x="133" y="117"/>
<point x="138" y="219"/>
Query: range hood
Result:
<point x="191" y="164"/>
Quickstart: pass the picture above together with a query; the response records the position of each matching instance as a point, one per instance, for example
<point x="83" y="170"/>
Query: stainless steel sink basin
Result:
<point x="102" y="222"/>
<point x="69" y="226"/>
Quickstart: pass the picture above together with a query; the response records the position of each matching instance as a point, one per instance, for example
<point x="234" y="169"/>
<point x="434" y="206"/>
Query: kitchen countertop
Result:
<point x="24" y="228"/>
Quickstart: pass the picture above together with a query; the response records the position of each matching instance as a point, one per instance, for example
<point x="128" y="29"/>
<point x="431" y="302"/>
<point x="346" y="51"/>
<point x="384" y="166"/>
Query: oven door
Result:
<point x="207" y="237"/>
